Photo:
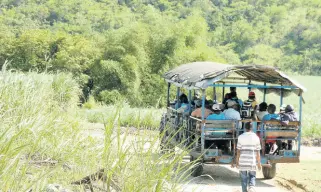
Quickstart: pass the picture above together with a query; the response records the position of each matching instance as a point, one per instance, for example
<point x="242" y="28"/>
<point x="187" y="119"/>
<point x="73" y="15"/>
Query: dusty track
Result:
<point x="223" y="178"/>
<point x="226" y="179"/>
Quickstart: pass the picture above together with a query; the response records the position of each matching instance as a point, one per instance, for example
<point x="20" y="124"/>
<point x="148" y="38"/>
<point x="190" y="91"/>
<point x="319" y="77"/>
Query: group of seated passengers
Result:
<point x="232" y="108"/>
<point x="231" y="111"/>
<point x="285" y="116"/>
<point x="267" y="113"/>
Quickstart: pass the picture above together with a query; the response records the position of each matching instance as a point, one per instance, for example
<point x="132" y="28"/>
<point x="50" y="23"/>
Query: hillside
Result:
<point x="119" y="49"/>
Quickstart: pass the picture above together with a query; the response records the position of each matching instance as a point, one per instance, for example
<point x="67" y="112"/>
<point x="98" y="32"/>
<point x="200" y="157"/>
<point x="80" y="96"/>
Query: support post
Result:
<point x="250" y="88"/>
<point x="214" y="93"/>
<point x="254" y="126"/>
<point x="203" y="119"/>
<point x="168" y="92"/>
<point x="190" y="100"/>
<point x="300" y="128"/>
<point x="264" y="95"/>
<point x="281" y="97"/>
<point x="262" y="137"/>
<point x="178" y="102"/>
<point x="223" y="92"/>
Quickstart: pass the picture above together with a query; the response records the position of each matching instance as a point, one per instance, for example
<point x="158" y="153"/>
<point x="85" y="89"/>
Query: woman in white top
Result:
<point x="262" y="111"/>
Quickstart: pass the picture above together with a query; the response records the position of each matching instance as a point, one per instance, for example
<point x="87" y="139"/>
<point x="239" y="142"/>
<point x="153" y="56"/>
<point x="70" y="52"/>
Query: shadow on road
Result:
<point x="220" y="178"/>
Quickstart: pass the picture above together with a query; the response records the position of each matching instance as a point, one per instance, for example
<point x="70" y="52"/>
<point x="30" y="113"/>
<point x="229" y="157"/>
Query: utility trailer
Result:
<point x="182" y="129"/>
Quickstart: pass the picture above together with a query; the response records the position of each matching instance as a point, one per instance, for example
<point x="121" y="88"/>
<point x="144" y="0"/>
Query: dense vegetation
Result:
<point x="43" y="141"/>
<point x="119" y="49"/>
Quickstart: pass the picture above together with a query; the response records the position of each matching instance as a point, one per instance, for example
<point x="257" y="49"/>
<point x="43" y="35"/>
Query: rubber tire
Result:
<point x="197" y="170"/>
<point x="269" y="173"/>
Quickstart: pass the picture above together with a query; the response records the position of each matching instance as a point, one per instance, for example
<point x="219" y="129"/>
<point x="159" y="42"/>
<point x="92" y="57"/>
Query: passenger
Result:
<point x="282" y="109"/>
<point x="184" y="105"/>
<point x="287" y="117"/>
<point x="232" y="89"/>
<point x="217" y="115"/>
<point x="228" y="95"/>
<point x="198" y="111"/>
<point x="231" y="113"/>
<point x="272" y="146"/>
<point x="236" y="99"/>
<point x="182" y="99"/>
<point x="226" y="98"/>
<point x="252" y="100"/>
<point x="271" y="114"/>
<point x="262" y="111"/>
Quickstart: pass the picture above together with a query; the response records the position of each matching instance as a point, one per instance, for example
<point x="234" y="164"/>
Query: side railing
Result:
<point x="274" y="132"/>
<point x="180" y="127"/>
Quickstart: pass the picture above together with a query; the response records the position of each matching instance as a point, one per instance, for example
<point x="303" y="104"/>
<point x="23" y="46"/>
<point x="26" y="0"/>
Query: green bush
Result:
<point x="90" y="104"/>
<point x="110" y="97"/>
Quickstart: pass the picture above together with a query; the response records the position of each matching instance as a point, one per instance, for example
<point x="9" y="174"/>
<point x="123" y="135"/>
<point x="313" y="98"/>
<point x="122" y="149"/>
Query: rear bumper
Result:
<point x="216" y="158"/>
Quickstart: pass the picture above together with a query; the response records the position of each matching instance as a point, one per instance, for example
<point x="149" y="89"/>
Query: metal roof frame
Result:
<point x="200" y="75"/>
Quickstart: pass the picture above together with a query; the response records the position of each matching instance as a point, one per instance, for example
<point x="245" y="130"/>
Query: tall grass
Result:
<point x="36" y="126"/>
<point x="134" y="163"/>
<point x="133" y="117"/>
<point x="42" y="140"/>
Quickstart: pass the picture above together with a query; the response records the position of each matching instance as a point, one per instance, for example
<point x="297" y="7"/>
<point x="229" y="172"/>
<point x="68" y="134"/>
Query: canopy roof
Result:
<point x="200" y="75"/>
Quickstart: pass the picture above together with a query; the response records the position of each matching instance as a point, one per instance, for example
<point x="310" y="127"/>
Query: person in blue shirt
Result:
<point x="217" y="115"/>
<point x="271" y="142"/>
<point x="271" y="115"/>
<point x="181" y="100"/>
<point x="184" y="107"/>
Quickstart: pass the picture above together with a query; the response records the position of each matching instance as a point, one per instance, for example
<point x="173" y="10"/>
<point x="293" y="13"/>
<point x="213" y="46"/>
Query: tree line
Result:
<point x="119" y="49"/>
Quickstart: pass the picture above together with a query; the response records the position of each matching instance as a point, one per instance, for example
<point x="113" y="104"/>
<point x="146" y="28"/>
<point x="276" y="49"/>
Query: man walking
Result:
<point x="248" y="154"/>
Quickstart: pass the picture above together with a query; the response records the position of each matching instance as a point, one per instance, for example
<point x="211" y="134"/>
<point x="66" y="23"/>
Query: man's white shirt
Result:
<point x="248" y="143"/>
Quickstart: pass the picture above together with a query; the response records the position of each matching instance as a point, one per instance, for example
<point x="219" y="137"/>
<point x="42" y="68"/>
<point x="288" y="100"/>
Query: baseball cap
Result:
<point x="231" y="103"/>
<point x="283" y="107"/>
<point x="289" y="108"/>
<point x="251" y="93"/>
<point x="216" y="107"/>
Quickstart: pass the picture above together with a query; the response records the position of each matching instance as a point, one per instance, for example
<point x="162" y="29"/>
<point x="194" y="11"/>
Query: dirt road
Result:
<point x="226" y="179"/>
<point x="223" y="178"/>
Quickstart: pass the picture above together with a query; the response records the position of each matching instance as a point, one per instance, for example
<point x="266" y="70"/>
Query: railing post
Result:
<point x="203" y="118"/>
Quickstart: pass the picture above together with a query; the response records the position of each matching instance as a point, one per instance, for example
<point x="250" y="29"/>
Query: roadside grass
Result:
<point x="146" y="118"/>
<point x="134" y="162"/>
<point x="42" y="140"/>
<point x="39" y="132"/>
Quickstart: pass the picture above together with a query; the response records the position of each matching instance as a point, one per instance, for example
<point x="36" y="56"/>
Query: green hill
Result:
<point x="119" y="49"/>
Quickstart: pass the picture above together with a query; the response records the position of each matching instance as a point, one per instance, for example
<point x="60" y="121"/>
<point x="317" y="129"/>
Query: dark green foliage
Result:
<point x="119" y="49"/>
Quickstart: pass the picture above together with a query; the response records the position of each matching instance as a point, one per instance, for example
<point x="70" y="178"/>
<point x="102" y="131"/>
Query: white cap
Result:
<point x="216" y="107"/>
<point x="231" y="103"/>
<point x="283" y="107"/>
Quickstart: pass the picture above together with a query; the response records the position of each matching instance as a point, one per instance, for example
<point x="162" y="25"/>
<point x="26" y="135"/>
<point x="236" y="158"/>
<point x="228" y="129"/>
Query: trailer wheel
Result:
<point x="197" y="169"/>
<point x="269" y="173"/>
